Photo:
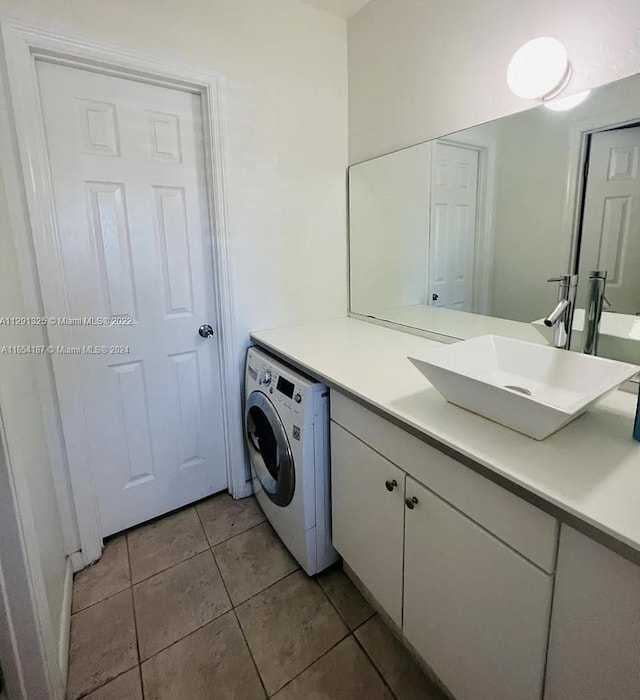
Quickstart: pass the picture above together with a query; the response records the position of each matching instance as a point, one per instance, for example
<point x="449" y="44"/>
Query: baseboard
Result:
<point x="243" y="491"/>
<point x="77" y="561"/>
<point x="65" y="622"/>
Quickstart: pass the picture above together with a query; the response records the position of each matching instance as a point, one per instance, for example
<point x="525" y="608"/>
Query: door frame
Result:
<point x="484" y="239"/>
<point x="23" y="45"/>
<point x="579" y="135"/>
<point x="29" y="652"/>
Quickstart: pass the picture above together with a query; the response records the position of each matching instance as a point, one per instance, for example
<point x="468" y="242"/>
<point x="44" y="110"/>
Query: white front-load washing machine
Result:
<point x="286" y="423"/>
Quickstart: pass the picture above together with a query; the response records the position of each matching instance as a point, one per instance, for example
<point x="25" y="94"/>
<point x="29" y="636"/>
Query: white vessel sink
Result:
<point x="531" y="388"/>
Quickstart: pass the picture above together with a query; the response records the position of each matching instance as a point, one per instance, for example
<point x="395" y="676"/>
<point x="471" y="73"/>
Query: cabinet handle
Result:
<point x="411" y="502"/>
<point x="390" y="484"/>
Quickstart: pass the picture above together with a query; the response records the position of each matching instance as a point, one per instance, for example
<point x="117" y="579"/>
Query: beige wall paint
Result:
<point x="421" y="68"/>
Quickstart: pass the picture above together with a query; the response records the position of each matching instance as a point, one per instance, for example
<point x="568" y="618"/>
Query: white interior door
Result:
<point x="454" y="192"/>
<point x="127" y="166"/>
<point x="611" y="223"/>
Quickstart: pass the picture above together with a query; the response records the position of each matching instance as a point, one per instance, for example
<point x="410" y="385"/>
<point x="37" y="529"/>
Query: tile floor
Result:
<point x="207" y="603"/>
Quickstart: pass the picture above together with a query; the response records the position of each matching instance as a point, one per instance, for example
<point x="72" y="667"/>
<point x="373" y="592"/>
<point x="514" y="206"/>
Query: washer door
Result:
<point x="269" y="449"/>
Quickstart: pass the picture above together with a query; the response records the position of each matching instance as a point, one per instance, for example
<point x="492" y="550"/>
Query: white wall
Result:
<point x="284" y="66"/>
<point x="419" y="69"/>
<point x="389" y="230"/>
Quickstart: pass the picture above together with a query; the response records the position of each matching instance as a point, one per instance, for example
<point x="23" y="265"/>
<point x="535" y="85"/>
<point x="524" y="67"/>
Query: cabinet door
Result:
<point x="594" y="650"/>
<point x="368" y="518"/>
<point x="475" y="610"/>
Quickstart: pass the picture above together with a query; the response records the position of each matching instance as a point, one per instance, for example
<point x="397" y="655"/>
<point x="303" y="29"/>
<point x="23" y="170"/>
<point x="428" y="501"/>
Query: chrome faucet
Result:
<point x="593" y="308"/>
<point x="561" y="318"/>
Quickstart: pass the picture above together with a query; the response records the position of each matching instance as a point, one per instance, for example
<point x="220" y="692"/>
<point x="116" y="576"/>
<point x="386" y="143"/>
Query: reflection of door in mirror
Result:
<point x="454" y="193"/>
<point x="611" y="219"/>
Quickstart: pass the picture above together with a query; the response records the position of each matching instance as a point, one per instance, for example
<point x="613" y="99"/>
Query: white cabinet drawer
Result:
<point x="473" y="608"/>
<point x="368" y="518"/>
<point x="521" y="525"/>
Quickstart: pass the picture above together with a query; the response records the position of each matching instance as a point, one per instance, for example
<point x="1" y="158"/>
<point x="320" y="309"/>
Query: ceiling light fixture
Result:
<point x="539" y="69"/>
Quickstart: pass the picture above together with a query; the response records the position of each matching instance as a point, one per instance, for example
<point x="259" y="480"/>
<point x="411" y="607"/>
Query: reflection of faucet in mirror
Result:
<point x="593" y="310"/>
<point x="561" y="318"/>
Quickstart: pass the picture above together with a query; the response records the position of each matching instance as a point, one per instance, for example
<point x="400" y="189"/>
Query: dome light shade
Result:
<point x="539" y="69"/>
<point x="562" y="104"/>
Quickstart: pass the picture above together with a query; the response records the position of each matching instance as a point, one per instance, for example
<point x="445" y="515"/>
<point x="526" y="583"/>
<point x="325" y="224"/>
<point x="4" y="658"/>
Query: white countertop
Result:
<point x="590" y="469"/>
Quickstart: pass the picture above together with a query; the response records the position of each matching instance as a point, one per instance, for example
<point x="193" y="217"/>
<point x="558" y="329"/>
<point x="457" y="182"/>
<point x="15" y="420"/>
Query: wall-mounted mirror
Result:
<point x="458" y="236"/>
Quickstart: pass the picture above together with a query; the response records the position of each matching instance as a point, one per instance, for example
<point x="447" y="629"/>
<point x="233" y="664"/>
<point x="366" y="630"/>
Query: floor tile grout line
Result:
<point x="373" y="663"/>
<point x="209" y="546"/>
<point x="199" y="627"/>
<point x="133" y="583"/>
<point x="142" y="693"/>
<point x="345" y="636"/>
<point x="115" y="678"/>
<point x="266" y="588"/>
<point x="371" y="659"/>
<point x="160" y="651"/>
<point x="135" y="620"/>
<point x="315" y="661"/>
<point x="352" y="632"/>
<point x="162" y="571"/>
<point x="335" y="607"/>
<point x="102" y="600"/>
<point x="235" y="534"/>
<point x="347" y="633"/>
<point x="253" y="660"/>
<point x="233" y="610"/>
<point x="193" y="506"/>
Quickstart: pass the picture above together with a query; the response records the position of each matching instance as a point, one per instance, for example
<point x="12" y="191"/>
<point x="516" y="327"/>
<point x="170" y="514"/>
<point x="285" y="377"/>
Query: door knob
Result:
<point x="205" y="330"/>
<point x="434" y="297"/>
<point x="411" y="502"/>
<point x="390" y="484"/>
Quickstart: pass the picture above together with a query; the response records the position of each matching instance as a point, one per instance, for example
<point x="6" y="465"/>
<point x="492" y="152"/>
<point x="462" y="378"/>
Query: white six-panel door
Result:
<point x="611" y="223"/>
<point x="454" y="191"/>
<point x="128" y="175"/>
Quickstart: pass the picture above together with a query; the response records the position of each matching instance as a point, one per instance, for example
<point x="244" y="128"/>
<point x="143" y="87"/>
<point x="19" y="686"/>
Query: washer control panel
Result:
<point x="280" y="386"/>
<point x="265" y="378"/>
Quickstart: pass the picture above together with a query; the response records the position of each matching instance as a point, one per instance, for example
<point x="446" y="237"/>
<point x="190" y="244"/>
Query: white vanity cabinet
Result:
<point x="476" y="611"/>
<point x="594" y="647"/>
<point x="463" y="566"/>
<point x="367" y="493"/>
